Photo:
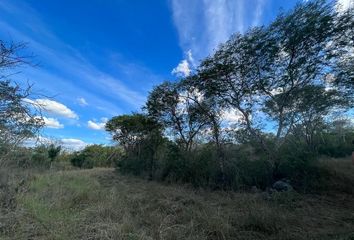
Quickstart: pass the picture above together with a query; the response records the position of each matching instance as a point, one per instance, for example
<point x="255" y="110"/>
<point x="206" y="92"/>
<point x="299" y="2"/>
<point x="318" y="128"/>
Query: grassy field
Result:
<point x="101" y="204"/>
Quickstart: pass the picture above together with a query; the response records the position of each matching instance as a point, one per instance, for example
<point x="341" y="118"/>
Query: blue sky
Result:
<point x="97" y="59"/>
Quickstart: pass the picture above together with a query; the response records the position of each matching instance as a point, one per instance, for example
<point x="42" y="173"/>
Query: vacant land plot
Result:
<point x="101" y="204"/>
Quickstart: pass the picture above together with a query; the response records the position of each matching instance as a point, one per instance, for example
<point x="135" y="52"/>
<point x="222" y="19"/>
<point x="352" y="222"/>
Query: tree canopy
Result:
<point x="284" y="81"/>
<point x="19" y="119"/>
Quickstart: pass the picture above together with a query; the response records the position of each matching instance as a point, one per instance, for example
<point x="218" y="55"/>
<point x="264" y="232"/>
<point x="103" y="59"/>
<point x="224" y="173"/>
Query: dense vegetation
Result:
<point x="289" y="86"/>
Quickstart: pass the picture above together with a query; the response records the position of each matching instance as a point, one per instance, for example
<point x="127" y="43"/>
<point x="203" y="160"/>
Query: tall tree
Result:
<point x="174" y="107"/>
<point x="210" y="112"/>
<point x="268" y="70"/>
<point x="140" y="136"/>
<point x="343" y="48"/>
<point x="19" y="119"/>
<point x="229" y="77"/>
<point x="53" y="152"/>
<point x="128" y="130"/>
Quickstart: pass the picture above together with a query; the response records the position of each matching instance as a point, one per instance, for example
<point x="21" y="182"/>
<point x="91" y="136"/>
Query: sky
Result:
<point x="97" y="59"/>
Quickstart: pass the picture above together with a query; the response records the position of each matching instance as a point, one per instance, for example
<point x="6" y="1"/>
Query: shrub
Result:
<point x="80" y="160"/>
<point x="94" y="156"/>
<point x="336" y="145"/>
<point x="40" y="157"/>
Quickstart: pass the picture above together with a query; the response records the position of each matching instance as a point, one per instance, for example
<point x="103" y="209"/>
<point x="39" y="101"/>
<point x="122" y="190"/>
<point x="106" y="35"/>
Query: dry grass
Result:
<point x="101" y="204"/>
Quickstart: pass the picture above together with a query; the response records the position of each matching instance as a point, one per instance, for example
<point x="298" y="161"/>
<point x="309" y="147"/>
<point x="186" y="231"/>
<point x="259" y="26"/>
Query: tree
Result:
<point x="79" y="160"/>
<point x="298" y="61"/>
<point x="100" y="155"/>
<point x="336" y="140"/>
<point x="210" y="113"/>
<point x="19" y="119"/>
<point x="140" y="136"/>
<point x="176" y="109"/>
<point x="53" y="151"/>
<point x="343" y="47"/>
<point x="267" y="71"/>
<point x="308" y="113"/>
<point x="128" y="130"/>
<point x="229" y="77"/>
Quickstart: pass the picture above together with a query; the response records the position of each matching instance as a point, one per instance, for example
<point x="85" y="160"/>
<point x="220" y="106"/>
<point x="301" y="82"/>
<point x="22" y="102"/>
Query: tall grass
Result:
<point x="101" y="204"/>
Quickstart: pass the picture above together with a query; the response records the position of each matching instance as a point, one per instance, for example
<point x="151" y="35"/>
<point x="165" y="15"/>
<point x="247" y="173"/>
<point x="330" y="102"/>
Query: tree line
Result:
<point x="288" y="86"/>
<point x="289" y="83"/>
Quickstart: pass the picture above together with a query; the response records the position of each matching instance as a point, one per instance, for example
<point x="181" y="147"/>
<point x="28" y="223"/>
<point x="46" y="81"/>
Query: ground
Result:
<point x="102" y="204"/>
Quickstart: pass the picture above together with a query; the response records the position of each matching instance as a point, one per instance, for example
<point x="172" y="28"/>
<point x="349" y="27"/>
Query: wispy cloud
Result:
<point x="82" y="101"/>
<point x="258" y="12"/>
<point x="65" y="59"/>
<point x="223" y="18"/>
<point x="204" y="24"/>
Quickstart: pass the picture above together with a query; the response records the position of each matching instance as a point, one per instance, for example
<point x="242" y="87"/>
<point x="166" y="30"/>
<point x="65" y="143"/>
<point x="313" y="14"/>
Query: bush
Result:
<point x="200" y="167"/>
<point x="257" y="173"/>
<point x="246" y="164"/>
<point x="40" y="157"/>
<point x="335" y="145"/>
<point x="93" y="156"/>
<point x="81" y="161"/>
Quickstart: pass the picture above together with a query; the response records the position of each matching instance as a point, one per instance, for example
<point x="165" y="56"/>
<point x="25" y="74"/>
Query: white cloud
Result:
<point x="97" y="125"/>
<point x="82" y="101"/>
<point x="53" y="107"/>
<point x="52" y="123"/>
<point x="185" y="67"/>
<point x="182" y="69"/>
<point x="73" y="144"/>
<point x="204" y="24"/>
<point x="35" y="141"/>
<point x="343" y="5"/>
<point x="232" y="116"/>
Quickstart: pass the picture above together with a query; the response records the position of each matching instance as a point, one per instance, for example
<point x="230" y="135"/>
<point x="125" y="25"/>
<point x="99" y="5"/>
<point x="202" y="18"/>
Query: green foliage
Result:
<point x="140" y="135"/>
<point x="177" y="108"/>
<point x="284" y="80"/>
<point x="280" y="71"/>
<point x="53" y="152"/>
<point x="16" y="117"/>
<point x="37" y="157"/>
<point x="79" y="160"/>
<point x="200" y="169"/>
<point x="20" y="157"/>
<point x="19" y="118"/>
<point x="337" y="146"/>
<point x="337" y="140"/>
<point x="128" y="130"/>
<point x="40" y="156"/>
<point x="94" y="156"/>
